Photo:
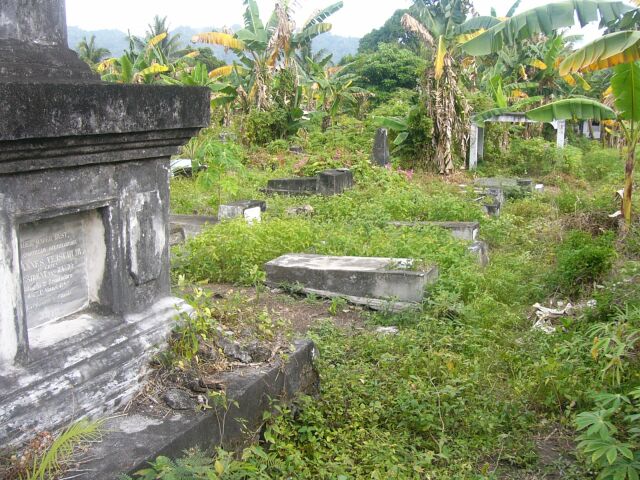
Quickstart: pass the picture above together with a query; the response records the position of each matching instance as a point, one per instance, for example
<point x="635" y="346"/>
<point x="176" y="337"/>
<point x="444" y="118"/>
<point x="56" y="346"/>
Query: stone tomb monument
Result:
<point x="328" y="182"/>
<point x="84" y="205"/>
<point x="381" y="154"/>
<point x="251" y="210"/>
<point x="393" y="284"/>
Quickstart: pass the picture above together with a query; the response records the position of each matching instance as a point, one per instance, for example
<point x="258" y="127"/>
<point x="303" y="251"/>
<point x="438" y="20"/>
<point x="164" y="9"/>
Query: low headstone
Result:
<point x="467" y="231"/>
<point x="491" y="205"/>
<point x="379" y="283"/>
<point x="177" y="235"/>
<point x="329" y="182"/>
<point x="334" y="182"/>
<point x="539" y="188"/>
<point x="249" y="209"/>
<point x="84" y="237"/>
<point x="381" y="154"/>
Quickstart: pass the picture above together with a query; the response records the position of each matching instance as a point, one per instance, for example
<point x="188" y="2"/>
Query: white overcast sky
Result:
<point x="356" y="18"/>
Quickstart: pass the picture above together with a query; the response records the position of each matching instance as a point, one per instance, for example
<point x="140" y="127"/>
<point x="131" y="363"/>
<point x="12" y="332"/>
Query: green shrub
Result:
<point x="582" y="259"/>
<point x="571" y="161"/>
<point x="603" y="164"/>
<point x="278" y="146"/>
<point x="264" y="126"/>
<point x="418" y="143"/>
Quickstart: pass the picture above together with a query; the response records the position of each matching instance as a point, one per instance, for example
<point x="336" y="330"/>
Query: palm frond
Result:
<point x="412" y="25"/>
<point x="47" y="465"/>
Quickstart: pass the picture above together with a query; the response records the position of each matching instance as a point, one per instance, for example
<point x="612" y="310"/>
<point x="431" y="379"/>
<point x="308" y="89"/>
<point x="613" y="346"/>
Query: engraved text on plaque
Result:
<point x="54" y="268"/>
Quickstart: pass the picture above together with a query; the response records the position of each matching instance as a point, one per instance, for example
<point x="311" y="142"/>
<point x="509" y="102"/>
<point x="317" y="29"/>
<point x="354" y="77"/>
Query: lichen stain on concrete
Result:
<point x="135" y="423"/>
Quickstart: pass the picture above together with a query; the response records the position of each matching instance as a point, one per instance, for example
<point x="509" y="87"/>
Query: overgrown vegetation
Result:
<point x="467" y="389"/>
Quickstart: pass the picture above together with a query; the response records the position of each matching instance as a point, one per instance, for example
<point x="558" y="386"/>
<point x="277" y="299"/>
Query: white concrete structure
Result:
<point x="476" y="134"/>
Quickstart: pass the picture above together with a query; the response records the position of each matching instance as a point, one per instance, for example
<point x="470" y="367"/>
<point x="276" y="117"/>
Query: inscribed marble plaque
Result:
<point x="54" y="268"/>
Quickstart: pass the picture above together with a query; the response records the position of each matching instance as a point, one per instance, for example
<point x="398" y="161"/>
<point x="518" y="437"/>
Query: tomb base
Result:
<point x="89" y="362"/>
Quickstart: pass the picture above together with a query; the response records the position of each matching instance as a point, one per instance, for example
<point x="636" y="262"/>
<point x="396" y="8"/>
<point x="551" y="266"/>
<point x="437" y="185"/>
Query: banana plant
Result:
<point x="137" y="66"/>
<point x="546" y="20"/>
<point x="438" y="25"/>
<point x="619" y="51"/>
<point x="261" y="48"/>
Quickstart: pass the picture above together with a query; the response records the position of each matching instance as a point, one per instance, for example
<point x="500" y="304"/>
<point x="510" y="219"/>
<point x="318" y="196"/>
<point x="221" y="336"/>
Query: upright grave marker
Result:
<point x="381" y="154"/>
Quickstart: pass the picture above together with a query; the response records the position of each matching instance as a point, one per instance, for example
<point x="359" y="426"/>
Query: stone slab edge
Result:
<point x="372" y="303"/>
<point x="133" y="440"/>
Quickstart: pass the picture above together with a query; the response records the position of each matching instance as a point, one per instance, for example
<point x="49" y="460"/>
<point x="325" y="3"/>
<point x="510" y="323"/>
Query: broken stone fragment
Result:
<point x="300" y="210"/>
<point x="234" y="350"/>
<point x="387" y="330"/>
<point x="178" y="399"/>
<point x="259" y="353"/>
<point x="207" y="352"/>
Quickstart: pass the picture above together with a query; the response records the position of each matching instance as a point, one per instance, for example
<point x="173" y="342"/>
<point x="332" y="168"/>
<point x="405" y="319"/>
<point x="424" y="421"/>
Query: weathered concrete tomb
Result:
<point x="467" y="231"/>
<point x="249" y="209"/>
<point x="133" y="439"/>
<point x="510" y="186"/>
<point x="329" y="182"/>
<point x="183" y="227"/>
<point x="84" y="232"/>
<point x="378" y="283"/>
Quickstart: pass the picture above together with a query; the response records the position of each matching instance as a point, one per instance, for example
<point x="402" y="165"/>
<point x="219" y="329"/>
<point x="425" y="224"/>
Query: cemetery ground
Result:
<point x="466" y="388"/>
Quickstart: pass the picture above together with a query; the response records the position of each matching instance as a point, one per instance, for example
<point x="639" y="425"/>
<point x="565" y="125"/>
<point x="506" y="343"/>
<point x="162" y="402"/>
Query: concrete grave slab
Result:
<point x="510" y="186"/>
<point x="329" y="182"/>
<point x="136" y="438"/>
<point x="467" y="231"/>
<point x="379" y="283"/>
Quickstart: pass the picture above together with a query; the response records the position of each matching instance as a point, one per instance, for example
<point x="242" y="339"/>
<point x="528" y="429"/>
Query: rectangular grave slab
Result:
<point x="84" y="232"/>
<point x="467" y="231"/>
<point x="329" y="182"/>
<point x="510" y="186"/>
<point x="293" y="186"/>
<point x="376" y="282"/>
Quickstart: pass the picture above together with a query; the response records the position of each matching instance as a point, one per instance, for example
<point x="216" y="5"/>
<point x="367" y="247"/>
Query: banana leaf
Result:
<point x="625" y="84"/>
<point x="322" y="15"/>
<point x="545" y="19"/>
<point x="572" y="108"/>
<point x="477" y="23"/>
<point x="608" y="51"/>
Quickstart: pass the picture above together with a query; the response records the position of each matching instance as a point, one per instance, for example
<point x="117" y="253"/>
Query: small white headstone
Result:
<point x="252" y="215"/>
<point x="539" y="188"/>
